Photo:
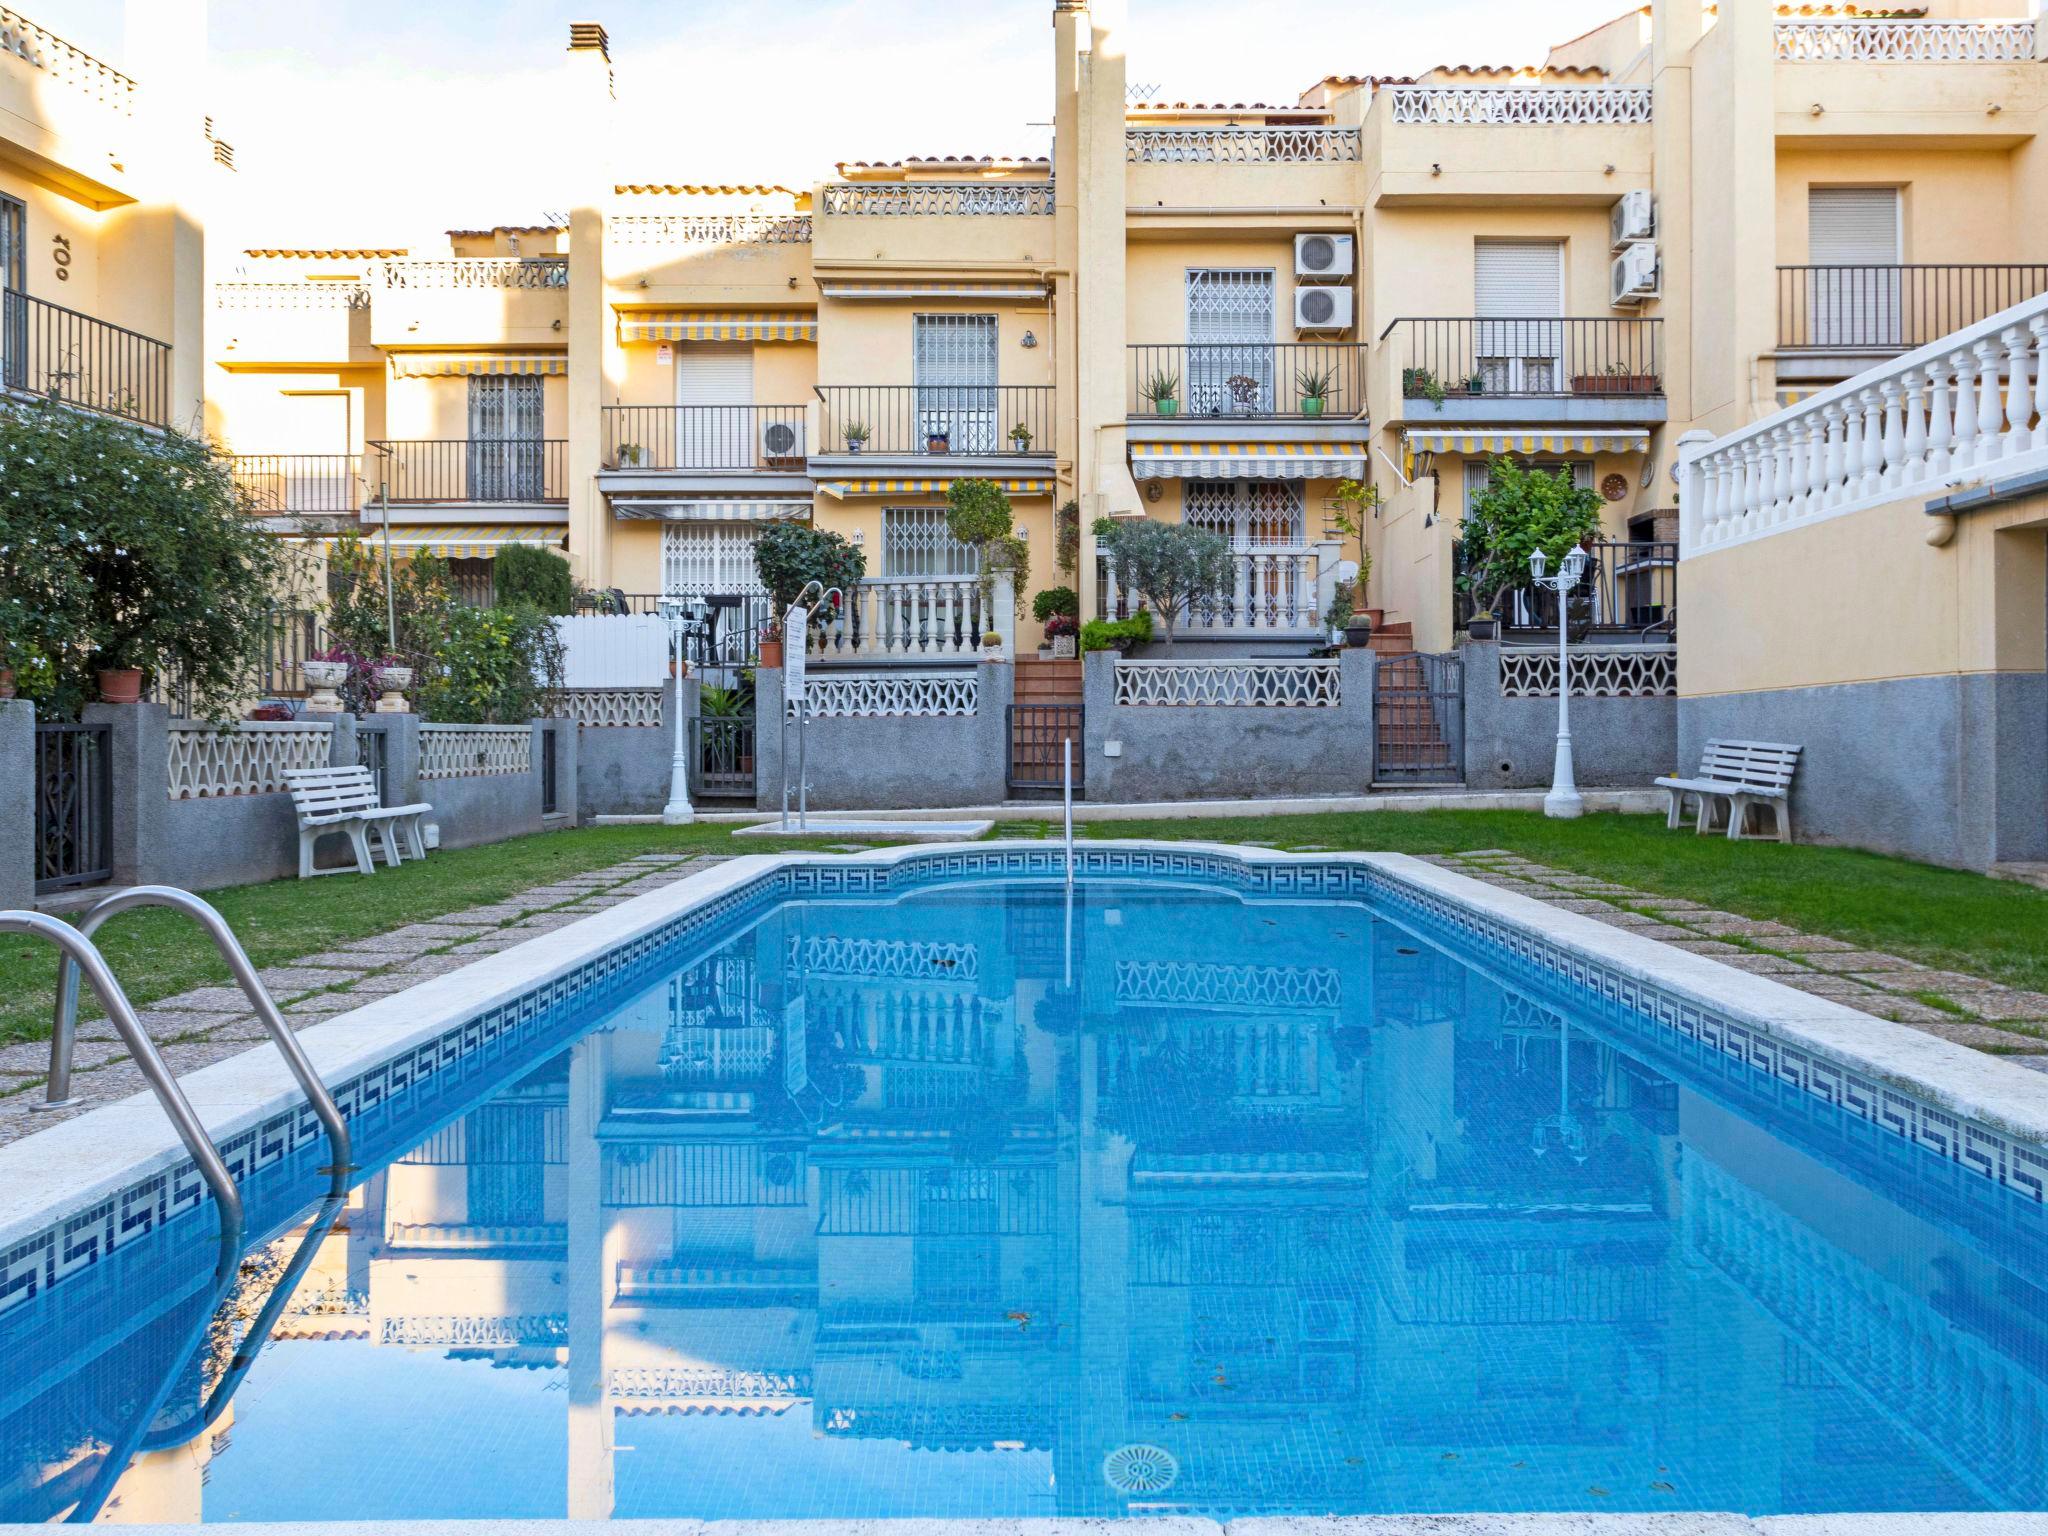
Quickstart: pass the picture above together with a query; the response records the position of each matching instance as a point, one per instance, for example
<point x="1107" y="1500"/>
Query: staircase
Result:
<point x="1408" y="712"/>
<point x="1046" y="707"/>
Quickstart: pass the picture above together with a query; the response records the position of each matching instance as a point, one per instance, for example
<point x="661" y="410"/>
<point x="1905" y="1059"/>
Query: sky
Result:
<point x="369" y="122"/>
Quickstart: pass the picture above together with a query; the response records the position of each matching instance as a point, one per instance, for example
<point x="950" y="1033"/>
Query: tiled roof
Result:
<point x="330" y="253"/>
<point x="1862" y="12"/>
<point x="510" y="229"/>
<point x="945" y="162"/>
<point x="694" y="189"/>
<point x="1496" y="71"/>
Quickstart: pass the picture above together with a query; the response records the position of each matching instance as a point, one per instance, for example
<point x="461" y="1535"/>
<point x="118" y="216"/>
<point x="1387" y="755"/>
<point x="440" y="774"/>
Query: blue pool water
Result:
<point x="968" y="1202"/>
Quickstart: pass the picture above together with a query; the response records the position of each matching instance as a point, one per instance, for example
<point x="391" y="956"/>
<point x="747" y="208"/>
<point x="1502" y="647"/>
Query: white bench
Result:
<point x="344" y="801"/>
<point x="1743" y="775"/>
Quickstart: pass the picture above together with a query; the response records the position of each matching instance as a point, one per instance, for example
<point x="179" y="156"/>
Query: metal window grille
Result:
<point x="954" y="363"/>
<point x="505" y="452"/>
<point x="916" y="542"/>
<point x="1251" y="514"/>
<point x="698" y="559"/>
<point x="1230" y="340"/>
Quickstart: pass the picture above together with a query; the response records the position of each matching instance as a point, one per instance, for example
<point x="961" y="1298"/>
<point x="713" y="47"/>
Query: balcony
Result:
<point x="1836" y="320"/>
<point x="1240" y="146"/>
<point x="1536" y="106"/>
<point x="1009" y="425"/>
<point x="475" y="471"/>
<point x="301" y="484"/>
<point x="1247" y="381"/>
<point x="468" y="301"/>
<point x="1276" y="592"/>
<point x="1535" y="371"/>
<point x="709" y="438"/>
<point x="477" y="272"/>
<point x="60" y="354"/>
<point x="938" y="199"/>
<point x="1904" y="41"/>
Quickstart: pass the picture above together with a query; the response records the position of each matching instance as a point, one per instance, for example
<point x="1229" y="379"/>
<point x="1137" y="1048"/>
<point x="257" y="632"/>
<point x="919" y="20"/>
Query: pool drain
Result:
<point x="1140" y="1469"/>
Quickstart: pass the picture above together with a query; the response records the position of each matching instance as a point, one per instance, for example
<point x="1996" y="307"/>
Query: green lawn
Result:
<point x="1942" y="917"/>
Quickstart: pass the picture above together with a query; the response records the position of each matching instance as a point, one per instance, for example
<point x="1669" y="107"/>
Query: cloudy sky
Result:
<point x="388" y="121"/>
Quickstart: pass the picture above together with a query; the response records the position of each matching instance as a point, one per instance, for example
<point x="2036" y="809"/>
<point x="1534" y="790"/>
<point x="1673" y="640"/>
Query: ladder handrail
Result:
<point x="64" y="1031"/>
<point x="81" y="954"/>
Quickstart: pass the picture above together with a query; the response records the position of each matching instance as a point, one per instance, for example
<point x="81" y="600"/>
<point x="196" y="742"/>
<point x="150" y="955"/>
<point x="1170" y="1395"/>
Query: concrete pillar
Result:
<point x="401" y="758"/>
<point x="342" y="749"/>
<point x="138" y="751"/>
<point x="595" y="367"/>
<point x="1675" y="30"/>
<point x="17" y="803"/>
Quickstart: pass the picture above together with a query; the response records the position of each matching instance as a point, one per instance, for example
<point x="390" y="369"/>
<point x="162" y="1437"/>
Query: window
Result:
<point x="954" y="363"/>
<point x="1230" y="340"/>
<point x="13" y="243"/>
<point x="1251" y="514"/>
<point x="1479" y="473"/>
<point x="718" y="384"/>
<point x="699" y="559"/>
<point x="1852" y="242"/>
<point x="916" y="542"/>
<point x="1518" y="291"/>
<point x="505" y="453"/>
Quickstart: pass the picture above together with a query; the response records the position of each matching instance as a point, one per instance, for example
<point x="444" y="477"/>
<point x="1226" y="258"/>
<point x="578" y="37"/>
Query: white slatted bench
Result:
<point x="344" y="801"/>
<point x="1742" y="775"/>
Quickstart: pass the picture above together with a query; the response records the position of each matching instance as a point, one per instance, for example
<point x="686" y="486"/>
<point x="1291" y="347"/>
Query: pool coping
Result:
<point x="52" y="1174"/>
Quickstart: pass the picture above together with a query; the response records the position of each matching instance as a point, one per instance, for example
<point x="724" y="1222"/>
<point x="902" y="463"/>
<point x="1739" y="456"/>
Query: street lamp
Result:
<point x="1563" y="799"/>
<point x="682" y="618"/>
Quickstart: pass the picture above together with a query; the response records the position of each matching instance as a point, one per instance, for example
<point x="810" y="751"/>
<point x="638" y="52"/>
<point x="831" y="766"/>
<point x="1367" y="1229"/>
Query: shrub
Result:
<point x="128" y="548"/>
<point x="1520" y="511"/>
<point x="1169" y="564"/>
<point x="978" y="513"/>
<point x="492" y="666"/>
<point x="1066" y="537"/>
<point x="1062" y="602"/>
<point x="538" y="577"/>
<point x="1116" y="634"/>
<point x="790" y="556"/>
<point x="363" y="627"/>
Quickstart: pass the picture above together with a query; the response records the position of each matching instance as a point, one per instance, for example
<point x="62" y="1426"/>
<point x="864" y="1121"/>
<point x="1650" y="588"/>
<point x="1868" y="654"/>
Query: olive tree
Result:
<point x="1170" y="565"/>
<point x="1520" y="511"/>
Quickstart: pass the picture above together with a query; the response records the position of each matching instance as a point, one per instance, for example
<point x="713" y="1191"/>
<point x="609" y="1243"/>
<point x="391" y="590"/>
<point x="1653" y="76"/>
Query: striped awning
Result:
<point x="841" y="489"/>
<point x="1455" y="440"/>
<point x="982" y="288"/>
<point x="1266" y="461"/>
<point x="718" y="325"/>
<point x="426" y="365"/>
<point x="698" y="509"/>
<point x="461" y="541"/>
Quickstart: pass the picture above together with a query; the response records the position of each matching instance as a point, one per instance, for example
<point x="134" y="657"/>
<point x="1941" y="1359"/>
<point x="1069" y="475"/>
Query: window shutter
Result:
<point x="715" y="377"/>
<point x="1518" y="280"/>
<point x="1852" y="242"/>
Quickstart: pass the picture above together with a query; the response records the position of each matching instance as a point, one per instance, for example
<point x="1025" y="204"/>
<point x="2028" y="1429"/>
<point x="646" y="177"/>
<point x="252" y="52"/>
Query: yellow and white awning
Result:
<point x="718" y="325"/>
<point x="841" y="489"/>
<point x="704" y="509"/>
<point x="1231" y="461"/>
<point x="461" y="541"/>
<point x="980" y="288"/>
<point x="427" y="365"/>
<point x="1498" y="440"/>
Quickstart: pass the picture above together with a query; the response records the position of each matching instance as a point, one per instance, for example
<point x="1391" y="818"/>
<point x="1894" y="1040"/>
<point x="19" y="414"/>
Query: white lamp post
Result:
<point x="1563" y="799"/>
<point x="680" y="616"/>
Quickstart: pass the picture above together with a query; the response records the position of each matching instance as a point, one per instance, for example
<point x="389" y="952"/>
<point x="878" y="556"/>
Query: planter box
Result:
<point x="1614" y="383"/>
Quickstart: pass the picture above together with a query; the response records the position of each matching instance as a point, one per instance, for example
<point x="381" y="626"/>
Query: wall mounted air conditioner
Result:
<point x="1322" y="309"/>
<point x="1633" y="218"/>
<point x="778" y="440"/>
<point x="1322" y="256"/>
<point x="1633" y="276"/>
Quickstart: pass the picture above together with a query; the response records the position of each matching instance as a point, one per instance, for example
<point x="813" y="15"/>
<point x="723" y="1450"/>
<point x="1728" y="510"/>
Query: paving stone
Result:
<point x="597" y="904"/>
<point x="27" y="1056"/>
<point x="292" y="980"/>
<point x="1763" y="965"/>
<point x="1489" y="853"/>
<point x="1644" y="927"/>
<point x="413" y="936"/>
<point x="168" y="1023"/>
<point x="1585" y="904"/>
<point x="209" y="1000"/>
<point x="1791" y="943"/>
<point x="490" y="942"/>
<point x="1666" y="905"/>
<point x="1845" y="961"/>
<point x="435" y="965"/>
<point x="545" y="922"/>
<point x="490" y="916"/>
<point x="319" y="1006"/>
<point x="1904" y="1010"/>
<point x="1986" y="1037"/>
<point x="1723" y="924"/>
<point x="2032" y="1063"/>
<point x="1837" y="987"/>
<point x="381" y="985"/>
<point x="2003" y="1003"/>
<point x="1952" y="981"/>
<point x="1715" y="947"/>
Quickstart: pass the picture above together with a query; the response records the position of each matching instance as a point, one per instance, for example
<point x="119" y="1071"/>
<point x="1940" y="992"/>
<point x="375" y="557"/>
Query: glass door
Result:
<point x="505" y="455"/>
<point x="955" y="373"/>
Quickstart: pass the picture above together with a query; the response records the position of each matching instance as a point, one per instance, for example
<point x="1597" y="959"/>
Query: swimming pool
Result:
<point x="913" y="1186"/>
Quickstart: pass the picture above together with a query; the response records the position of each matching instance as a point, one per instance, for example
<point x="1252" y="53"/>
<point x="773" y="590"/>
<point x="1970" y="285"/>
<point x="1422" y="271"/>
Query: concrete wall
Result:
<point x="892" y="762"/>
<point x="487" y="808"/>
<point x="17" y="803"/>
<point x="1202" y="752"/>
<point x="1510" y="743"/>
<point x="624" y="770"/>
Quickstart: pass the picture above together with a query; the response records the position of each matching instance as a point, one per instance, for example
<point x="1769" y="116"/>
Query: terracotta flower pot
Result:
<point x="121" y="685"/>
<point x="771" y="652"/>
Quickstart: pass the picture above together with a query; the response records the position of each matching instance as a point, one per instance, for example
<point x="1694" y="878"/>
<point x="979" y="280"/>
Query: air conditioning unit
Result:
<point x="1322" y="309"/>
<point x="1633" y="275"/>
<point x="779" y="440"/>
<point x="1633" y="218"/>
<point x="1322" y="256"/>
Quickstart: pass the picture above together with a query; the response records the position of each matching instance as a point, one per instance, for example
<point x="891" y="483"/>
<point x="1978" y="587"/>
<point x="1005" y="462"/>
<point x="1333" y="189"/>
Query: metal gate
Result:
<point x="724" y="746"/>
<point x="1036" y="731"/>
<point x="1418" y="716"/>
<point x="74" y="805"/>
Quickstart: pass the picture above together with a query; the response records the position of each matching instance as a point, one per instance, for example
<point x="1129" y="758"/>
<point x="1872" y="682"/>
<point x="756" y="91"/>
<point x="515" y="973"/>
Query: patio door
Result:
<point x="1518" y="298"/>
<point x="1852" y="247"/>
<point x="714" y="387"/>
<point x="1256" y="517"/>
<point x="954" y="368"/>
<point x="505" y="438"/>
<point x="699" y="559"/>
<point x="13" y="288"/>
<point x="1230" y="341"/>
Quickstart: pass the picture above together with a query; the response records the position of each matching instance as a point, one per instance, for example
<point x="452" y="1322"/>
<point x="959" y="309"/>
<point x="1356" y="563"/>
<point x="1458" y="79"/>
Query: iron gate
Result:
<point x="1418" y="716"/>
<point x="550" y="769"/>
<point x="725" y="754"/>
<point x="1036" y="731"/>
<point x="74" y="805"/>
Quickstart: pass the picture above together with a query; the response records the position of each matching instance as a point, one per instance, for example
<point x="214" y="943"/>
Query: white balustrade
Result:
<point x="1240" y="146"/>
<point x="851" y="695"/>
<point x="890" y="959"/>
<point x="1598" y="671"/>
<point x="67" y="63"/>
<point x="920" y="618"/>
<point x="207" y="762"/>
<point x="1270" y="589"/>
<point x="1904" y="42"/>
<point x="1970" y="407"/>
<point x="474" y="751"/>
<point x="611" y="707"/>
<point x="696" y="229"/>
<point x="290" y="296"/>
<point x="1534" y="106"/>
<point x="1190" y="684"/>
<point x="906" y="199"/>
<point x="477" y="272"/>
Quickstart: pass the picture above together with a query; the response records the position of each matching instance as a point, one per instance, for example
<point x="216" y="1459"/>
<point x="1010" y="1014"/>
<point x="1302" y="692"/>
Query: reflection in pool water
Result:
<point x="965" y="1205"/>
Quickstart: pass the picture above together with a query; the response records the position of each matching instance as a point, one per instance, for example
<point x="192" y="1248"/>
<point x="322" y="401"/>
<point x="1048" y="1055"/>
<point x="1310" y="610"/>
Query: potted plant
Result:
<point x="856" y="436"/>
<point x="771" y="644"/>
<point x="991" y="646"/>
<point x="393" y="677"/>
<point x="325" y="672"/>
<point x="1244" y="391"/>
<point x="1020" y="438"/>
<point x="1061" y="631"/>
<point x="1614" y="379"/>
<point x="1475" y="383"/>
<point x="629" y="455"/>
<point x="938" y="440"/>
<point x="1314" y="386"/>
<point x="1163" y="390"/>
<point x="1482" y="625"/>
<point x="1424" y="383"/>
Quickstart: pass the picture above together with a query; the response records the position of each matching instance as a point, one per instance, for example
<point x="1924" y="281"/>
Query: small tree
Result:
<point x="1170" y="565"/>
<point x="1355" y="499"/>
<point x="360" y="620"/>
<point x="1066" y="537"/>
<point x="491" y="666"/>
<point x="1520" y="511"/>
<point x="790" y="556"/>
<point x="539" y="577"/>
<point x="978" y="514"/>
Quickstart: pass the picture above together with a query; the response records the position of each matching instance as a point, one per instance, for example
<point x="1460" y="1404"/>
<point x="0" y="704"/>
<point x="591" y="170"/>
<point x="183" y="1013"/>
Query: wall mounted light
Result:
<point x="1029" y="341"/>
<point x="1816" y="109"/>
<point x="1435" y="169"/>
<point x="1153" y="490"/>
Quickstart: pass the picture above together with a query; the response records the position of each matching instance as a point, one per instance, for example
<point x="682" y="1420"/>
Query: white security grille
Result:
<point x="248" y="759"/>
<point x="1539" y="106"/>
<point x="1183" y="684"/>
<point x="916" y="542"/>
<point x="1598" y="672"/>
<point x="505" y="449"/>
<point x="710" y="229"/>
<point x="474" y="751"/>
<point x="1905" y="42"/>
<point x="698" y="559"/>
<point x="1239" y="146"/>
<point x="954" y="363"/>
<point x="1251" y="514"/>
<point x="1230" y="340"/>
<point x="948" y="198"/>
<point x="847" y="696"/>
<point x="611" y="706"/>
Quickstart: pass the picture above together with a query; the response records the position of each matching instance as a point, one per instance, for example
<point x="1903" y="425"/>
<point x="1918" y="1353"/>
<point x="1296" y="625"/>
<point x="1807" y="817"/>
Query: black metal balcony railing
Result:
<point x="1629" y="588"/>
<point x="1254" y="379"/>
<point x="704" y="436"/>
<point x="508" y="469"/>
<point x="301" y="483"/>
<point x="46" y="349"/>
<point x="1895" y="307"/>
<point x="1535" y="358"/>
<point x="935" y="419"/>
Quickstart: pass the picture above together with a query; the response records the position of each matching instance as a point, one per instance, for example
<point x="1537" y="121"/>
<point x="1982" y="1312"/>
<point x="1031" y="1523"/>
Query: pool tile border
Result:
<point x="72" y="1194"/>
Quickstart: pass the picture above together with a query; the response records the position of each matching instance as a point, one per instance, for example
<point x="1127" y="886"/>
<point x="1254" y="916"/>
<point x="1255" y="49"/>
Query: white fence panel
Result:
<point x="613" y="650"/>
